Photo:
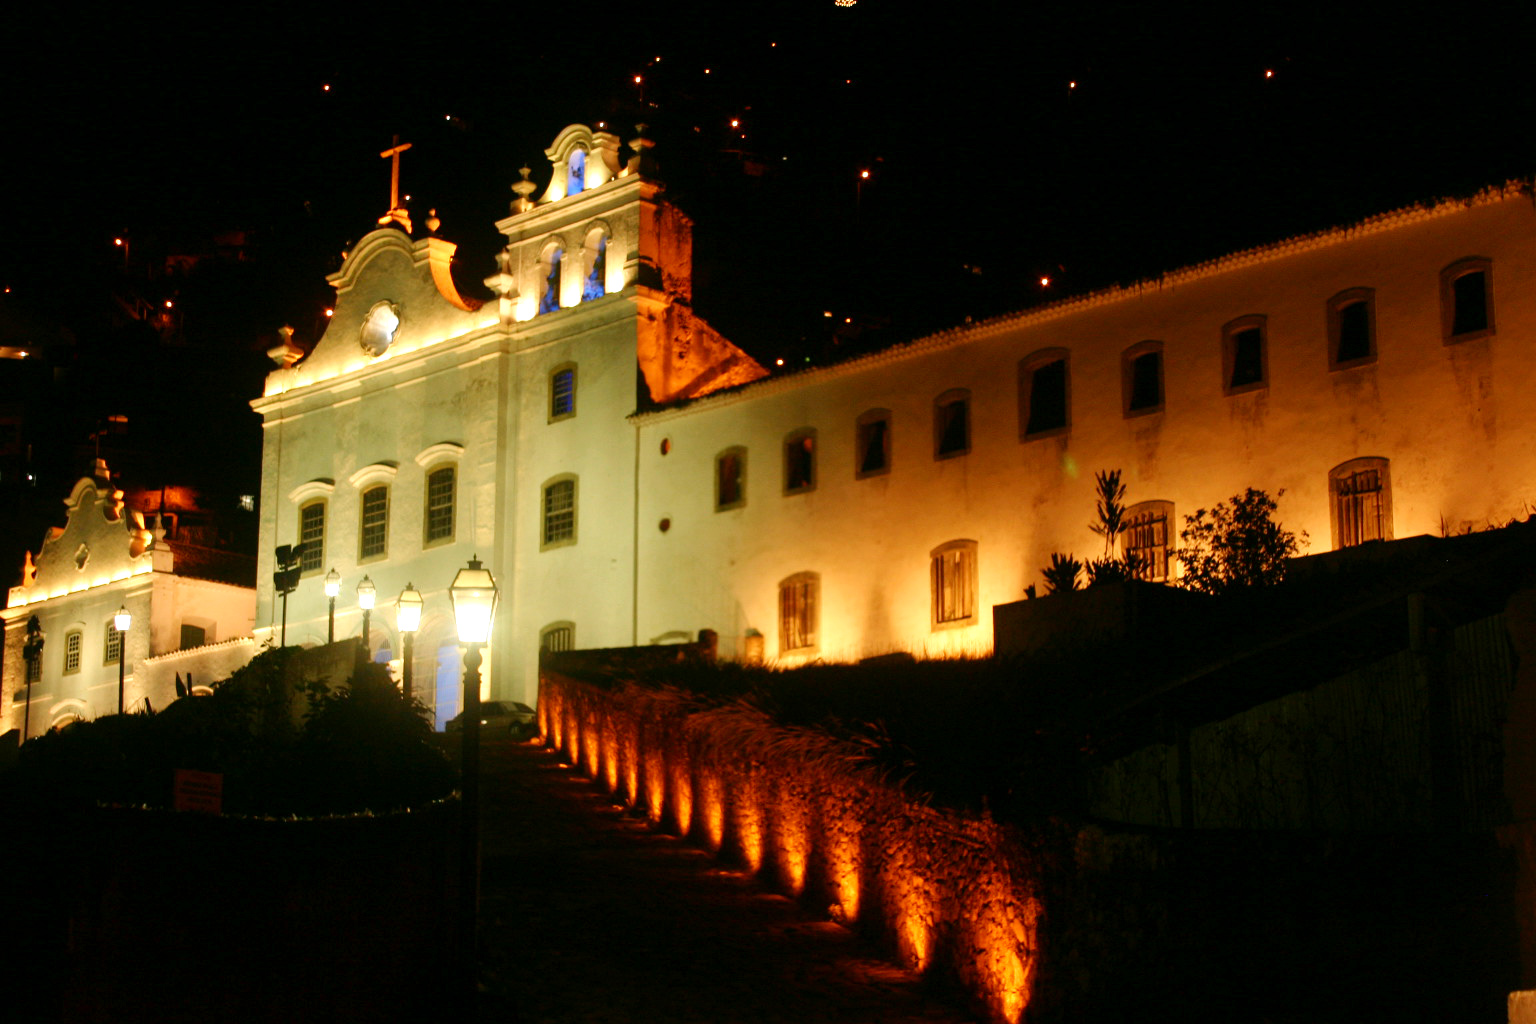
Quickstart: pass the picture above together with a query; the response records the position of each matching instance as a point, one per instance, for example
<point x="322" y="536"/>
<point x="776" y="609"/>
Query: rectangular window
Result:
<point x="312" y="536"/>
<point x="562" y="394"/>
<point x="112" y="645"/>
<point x="953" y="568"/>
<point x="374" y="534"/>
<point x="72" y="644"/>
<point x="1043" y="386"/>
<point x="952" y="424"/>
<point x="1145" y="539"/>
<point x="730" y="479"/>
<point x="1351" y="328"/>
<point x="1245" y="364"/>
<point x="872" y="443"/>
<point x="1142" y="378"/>
<point x="798" y="597"/>
<point x="1466" y="299"/>
<point x="800" y="462"/>
<point x="192" y="636"/>
<point x="440" y="504"/>
<point x="35" y="669"/>
<point x="559" y="512"/>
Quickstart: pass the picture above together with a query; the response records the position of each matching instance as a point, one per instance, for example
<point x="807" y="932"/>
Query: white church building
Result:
<point x="1378" y="374"/>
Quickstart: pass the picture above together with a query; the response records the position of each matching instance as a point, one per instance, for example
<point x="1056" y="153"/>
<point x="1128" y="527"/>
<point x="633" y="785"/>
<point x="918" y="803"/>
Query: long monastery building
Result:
<point x="1376" y="374"/>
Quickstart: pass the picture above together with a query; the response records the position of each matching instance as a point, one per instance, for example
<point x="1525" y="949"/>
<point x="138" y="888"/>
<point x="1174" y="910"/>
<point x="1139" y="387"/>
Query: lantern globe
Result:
<point x="408" y="609"/>
<point x="366" y="592"/>
<point x="474" y="602"/>
<point x="122" y="620"/>
<point x="332" y="583"/>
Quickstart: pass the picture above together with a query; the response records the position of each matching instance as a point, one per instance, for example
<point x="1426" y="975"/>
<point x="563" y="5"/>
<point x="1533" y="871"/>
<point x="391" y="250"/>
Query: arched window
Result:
<point x="1244" y="355"/>
<point x="312" y="536"/>
<point x="872" y="444"/>
<point x="1361" y="496"/>
<point x="373" y="530"/>
<point x="1145" y="540"/>
<point x="597" y="253"/>
<point x="549" y="287"/>
<point x="952" y="574"/>
<point x="1352" y="328"/>
<point x="799" y="603"/>
<point x="440" y="501"/>
<point x="74" y="640"/>
<point x="557" y="637"/>
<point x="576" y="174"/>
<point x="558" y="513"/>
<point x="562" y="392"/>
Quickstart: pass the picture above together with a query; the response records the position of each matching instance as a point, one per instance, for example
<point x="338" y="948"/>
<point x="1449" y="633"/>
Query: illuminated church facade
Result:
<point x="630" y="477"/>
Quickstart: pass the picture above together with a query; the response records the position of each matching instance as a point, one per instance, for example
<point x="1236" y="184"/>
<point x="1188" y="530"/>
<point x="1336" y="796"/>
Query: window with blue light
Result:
<point x="575" y="181"/>
<point x="592" y="288"/>
<point x="549" y="302"/>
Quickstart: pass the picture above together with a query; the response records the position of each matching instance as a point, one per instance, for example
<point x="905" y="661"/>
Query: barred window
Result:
<point x="112" y="645"/>
<point x="559" y="512"/>
<point x="558" y="636"/>
<point x="72" y="644"/>
<point x="312" y="536"/>
<point x="799" y="596"/>
<point x="374" y="535"/>
<point x="562" y="393"/>
<point x="1145" y="540"/>
<point x="1362" y="502"/>
<point x="953" y="571"/>
<point x="440" y="504"/>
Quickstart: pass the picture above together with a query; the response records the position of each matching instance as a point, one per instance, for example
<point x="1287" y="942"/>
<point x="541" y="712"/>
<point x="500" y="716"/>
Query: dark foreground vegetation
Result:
<point x="322" y="893"/>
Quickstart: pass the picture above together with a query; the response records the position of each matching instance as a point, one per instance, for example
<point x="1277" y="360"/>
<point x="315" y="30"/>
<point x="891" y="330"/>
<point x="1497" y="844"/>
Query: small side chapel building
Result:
<point x="187" y="619"/>
<point x="1377" y="374"/>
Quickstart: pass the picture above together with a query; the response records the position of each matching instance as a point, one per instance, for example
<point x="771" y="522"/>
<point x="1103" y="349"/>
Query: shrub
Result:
<point x="1061" y="575"/>
<point x="1236" y="545"/>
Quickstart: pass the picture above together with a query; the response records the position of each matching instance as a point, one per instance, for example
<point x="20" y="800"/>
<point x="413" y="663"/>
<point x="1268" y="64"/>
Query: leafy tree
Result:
<point x="1236" y="544"/>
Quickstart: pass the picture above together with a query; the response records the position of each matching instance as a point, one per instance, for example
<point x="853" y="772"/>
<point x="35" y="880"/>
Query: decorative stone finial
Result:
<point x="524" y="189"/>
<point x="433" y="222"/>
<point x="285" y="353"/>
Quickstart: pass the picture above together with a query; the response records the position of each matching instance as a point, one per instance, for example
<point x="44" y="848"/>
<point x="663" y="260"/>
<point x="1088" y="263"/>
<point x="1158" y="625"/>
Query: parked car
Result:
<point x="501" y="717"/>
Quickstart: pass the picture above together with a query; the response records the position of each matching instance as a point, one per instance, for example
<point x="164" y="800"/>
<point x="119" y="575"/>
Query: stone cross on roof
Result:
<point x="397" y="214"/>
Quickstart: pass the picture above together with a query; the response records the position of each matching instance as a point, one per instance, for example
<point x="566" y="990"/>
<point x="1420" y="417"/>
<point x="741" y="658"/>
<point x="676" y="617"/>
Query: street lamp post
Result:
<point x="332" y="588"/>
<point x="366" y="592"/>
<point x="122" y="620"/>
<point x="408" y="618"/>
<point x="474" y="605"/>
<point x="32" y="651"/>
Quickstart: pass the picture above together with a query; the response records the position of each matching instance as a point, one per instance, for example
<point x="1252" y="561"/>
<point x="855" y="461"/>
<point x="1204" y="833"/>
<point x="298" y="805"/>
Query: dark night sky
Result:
<point x="1173" y="147"/>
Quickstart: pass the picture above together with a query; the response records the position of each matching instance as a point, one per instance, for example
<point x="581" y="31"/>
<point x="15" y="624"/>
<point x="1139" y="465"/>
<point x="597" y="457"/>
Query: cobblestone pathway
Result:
<point x="589" y="916"/>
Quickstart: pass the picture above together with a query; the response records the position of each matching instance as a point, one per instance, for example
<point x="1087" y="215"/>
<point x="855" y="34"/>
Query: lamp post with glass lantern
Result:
<point x="366" y="592"/>
<point x="474" y="605"/>
<point x="122" y="620"/>
<point x="408" y="619"/>
<point x="332" y="588"/>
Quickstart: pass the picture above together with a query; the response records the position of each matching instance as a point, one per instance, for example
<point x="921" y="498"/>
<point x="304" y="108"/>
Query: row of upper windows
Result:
<point x="1044" y="383"/>
<point x="1466" y="304"/>
<point x="373" y="520"/>
<point x="111" y="648"/>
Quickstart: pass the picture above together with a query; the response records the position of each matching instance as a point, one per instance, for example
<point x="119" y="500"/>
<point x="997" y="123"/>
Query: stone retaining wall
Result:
<point x="952" y="896"/>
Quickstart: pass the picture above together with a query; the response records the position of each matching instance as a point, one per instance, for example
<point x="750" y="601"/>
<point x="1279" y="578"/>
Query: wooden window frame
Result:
<point x="942" y="613"/>
<point x="309" y="565"/>
<point x="1448" y="278"/>
<point x="809" y="609"/>
<point x="1149" y="571"/>
<point x="1336" y="507"/>
<point x="739" y="453"/>
<point x="862" y="429"/>
<point x="1028" y="367"/>
<point x="111" y="644"/>
<point x="791" y="440"/>
<point x="556" y="416"/>
<point x="1127" y="367"/>
<point x="74" y="658"/>
<point x="1336" y="306"/>
<point x="945" y="401"/>
<point x="546" y="543"/>
<point x="1229" y="335"/>
<point x="363" y="553"/>
<point x="563" y="626"/>
<point x="427" y="508"/>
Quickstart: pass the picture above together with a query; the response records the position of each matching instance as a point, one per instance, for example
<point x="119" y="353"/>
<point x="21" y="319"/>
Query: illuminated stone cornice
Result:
<point x="950" y="337"/>
<point x="28" y="597"/>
